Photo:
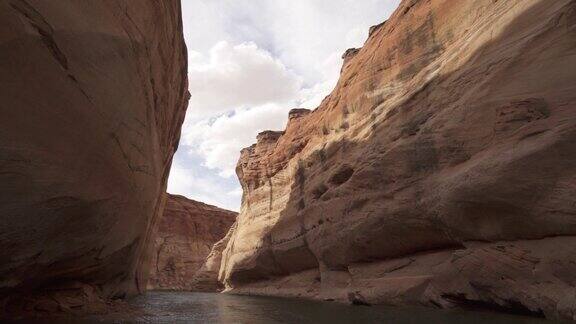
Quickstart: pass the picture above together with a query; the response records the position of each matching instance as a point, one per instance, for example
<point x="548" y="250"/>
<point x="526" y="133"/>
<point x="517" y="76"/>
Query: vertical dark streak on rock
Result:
<point x="46" y="32"/>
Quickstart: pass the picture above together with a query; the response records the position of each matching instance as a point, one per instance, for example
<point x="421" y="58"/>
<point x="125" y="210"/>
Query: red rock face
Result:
<point x="187" y="231"/>
<point x="440" y="171"/>
<point x="207" y="278"/>
<point x="93" y="96"/>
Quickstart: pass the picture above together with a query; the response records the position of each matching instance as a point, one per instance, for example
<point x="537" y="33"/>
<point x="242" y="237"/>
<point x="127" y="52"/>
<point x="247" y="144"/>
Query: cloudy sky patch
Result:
<point x="250" y="62"/>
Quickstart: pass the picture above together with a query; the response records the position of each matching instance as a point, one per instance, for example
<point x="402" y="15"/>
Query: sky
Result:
<point x="250" y="62"/>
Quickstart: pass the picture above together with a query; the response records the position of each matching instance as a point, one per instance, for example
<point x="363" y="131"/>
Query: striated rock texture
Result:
<point x="93" y="96"/>
<point x="441" y="171"/>
<point x="207" y="277"/>
<point x="184" y="239"/>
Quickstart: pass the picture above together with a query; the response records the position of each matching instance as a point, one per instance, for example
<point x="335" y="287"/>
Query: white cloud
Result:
<point x="204" y="24"/>
<point x="238" y="76"/>
<point x="220" y="140"/>
<point x="190" y="179"/>
<point x="302" y="33"/>
<point x="237" y="192"/>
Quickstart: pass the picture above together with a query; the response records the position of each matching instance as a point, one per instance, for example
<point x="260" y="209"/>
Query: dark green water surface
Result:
<point x="177" y="307"/>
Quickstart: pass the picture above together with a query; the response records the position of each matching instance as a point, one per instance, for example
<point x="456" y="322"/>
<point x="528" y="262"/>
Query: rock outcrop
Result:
<point x="187" y="232"/>
<point x="93" y="97"/>
<point x="441" y="171"/>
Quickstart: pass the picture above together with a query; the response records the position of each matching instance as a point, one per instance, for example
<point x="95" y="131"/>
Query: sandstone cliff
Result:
<point x="184" y="239"/>
<point x="440" y="171"/>
<point x="93" y="96"/>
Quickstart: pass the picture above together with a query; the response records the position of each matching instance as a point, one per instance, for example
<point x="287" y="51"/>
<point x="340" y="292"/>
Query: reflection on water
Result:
<point x="175" y="307"/>
<point x="217" y="308"/>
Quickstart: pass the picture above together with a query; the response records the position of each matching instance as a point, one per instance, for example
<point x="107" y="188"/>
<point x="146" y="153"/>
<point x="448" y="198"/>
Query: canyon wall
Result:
<point x="441" y="171"/>
<point x="184" y="239"/>
<point x="93" y="97"/>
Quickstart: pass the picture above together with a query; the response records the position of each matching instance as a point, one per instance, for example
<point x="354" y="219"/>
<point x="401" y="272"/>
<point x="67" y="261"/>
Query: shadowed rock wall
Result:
<point x="184" y="239"/>
<point x="93" y="94"/>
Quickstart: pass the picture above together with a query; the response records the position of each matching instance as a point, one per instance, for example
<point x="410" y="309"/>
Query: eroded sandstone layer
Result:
<point x="93" y="94"/>
<point x="440" y="171"/>
<point x="186" y="234"/>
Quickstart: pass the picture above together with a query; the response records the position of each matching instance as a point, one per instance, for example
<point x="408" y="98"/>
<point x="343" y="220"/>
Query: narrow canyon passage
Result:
<point x="427" y="176"/>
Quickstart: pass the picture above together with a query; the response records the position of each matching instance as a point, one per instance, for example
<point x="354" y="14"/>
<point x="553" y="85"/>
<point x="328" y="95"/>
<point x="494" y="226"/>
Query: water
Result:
<point x="177" y="307"/>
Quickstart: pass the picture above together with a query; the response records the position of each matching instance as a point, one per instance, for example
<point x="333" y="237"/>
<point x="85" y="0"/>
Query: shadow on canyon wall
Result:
<point x="91" y="117"/>
<point x="484" y="153"/>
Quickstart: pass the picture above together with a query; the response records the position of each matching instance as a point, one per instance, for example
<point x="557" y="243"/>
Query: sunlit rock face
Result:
<point x="440" y="171"/>
<point x="184" y="239"/>
<point x="93" y="96"/>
